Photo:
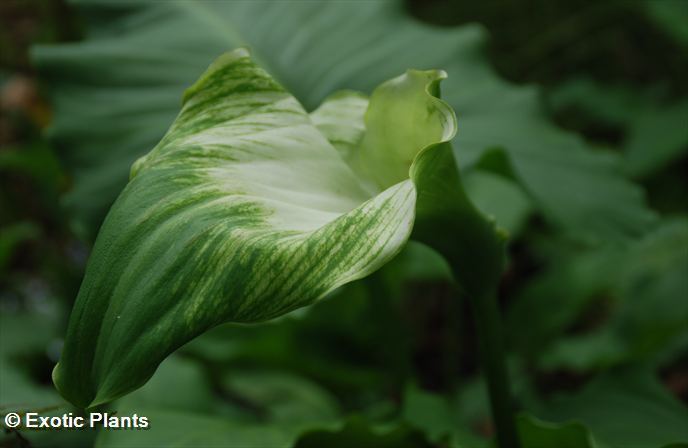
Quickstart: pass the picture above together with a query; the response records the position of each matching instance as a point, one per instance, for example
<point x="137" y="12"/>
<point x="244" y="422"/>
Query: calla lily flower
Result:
<point x="250" y="207"/>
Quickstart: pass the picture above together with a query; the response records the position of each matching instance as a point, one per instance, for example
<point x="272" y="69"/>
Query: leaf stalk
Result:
<point x="492" y="357"/>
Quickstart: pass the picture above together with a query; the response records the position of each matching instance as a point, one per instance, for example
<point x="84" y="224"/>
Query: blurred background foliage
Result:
<point x="597" y="326"/>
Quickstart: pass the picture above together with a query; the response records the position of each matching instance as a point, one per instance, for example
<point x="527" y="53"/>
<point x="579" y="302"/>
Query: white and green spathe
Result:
<point x="249" y="208"/>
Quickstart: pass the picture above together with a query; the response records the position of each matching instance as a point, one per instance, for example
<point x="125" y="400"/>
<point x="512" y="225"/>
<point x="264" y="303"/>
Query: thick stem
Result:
<point x="448" y="222"/>
<point x="491" y="346"/>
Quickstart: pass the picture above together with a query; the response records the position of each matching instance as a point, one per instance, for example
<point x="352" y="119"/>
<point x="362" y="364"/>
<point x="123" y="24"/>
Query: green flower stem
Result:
<point x="491" y="347"/>
<point x="475" y="249"/>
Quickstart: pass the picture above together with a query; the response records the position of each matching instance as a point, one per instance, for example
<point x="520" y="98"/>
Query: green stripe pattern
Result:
<point x="248" y="208"/>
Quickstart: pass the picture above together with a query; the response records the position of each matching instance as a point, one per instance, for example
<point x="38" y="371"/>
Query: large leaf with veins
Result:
<point x="115" y="93"/>
<point x="245" y="211"/>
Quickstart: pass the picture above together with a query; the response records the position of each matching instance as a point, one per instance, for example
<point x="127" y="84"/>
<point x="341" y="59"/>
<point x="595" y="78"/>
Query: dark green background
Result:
<point x="597" y="329"/>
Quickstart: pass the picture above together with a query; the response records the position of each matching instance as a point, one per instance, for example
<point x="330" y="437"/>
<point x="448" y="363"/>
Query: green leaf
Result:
<point x="247" y="408"/>
<point x="244" y="212"/>
<point x="444" y="419"/>
<point x="654" y="130"/>
<point x="640" y="288"/>
<point x="359" y="433"/>
<point x="617" y="410"/>
<point x="17" y="388"/>
<point x="500" y="198"/>
<point x="437" y="416"/>
<point x="657" y="137"/>
<point x="190" y="383"/>
<point x="21" y="390"/>
<point x="535" y="433"/>
<point x="184" y="429"/>
<point x="115" y="93"/>
<point x="282" y="397"/>
<point x="179" y="429"/>
<point x="12" y="236"/>
<point x="625" y="409"/>
<point x="670" y="16"/>
<point x="35" y="159"/>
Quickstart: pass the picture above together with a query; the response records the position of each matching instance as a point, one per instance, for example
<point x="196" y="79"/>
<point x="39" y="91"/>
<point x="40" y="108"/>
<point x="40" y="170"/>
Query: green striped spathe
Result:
<point x="248" y="208"/>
